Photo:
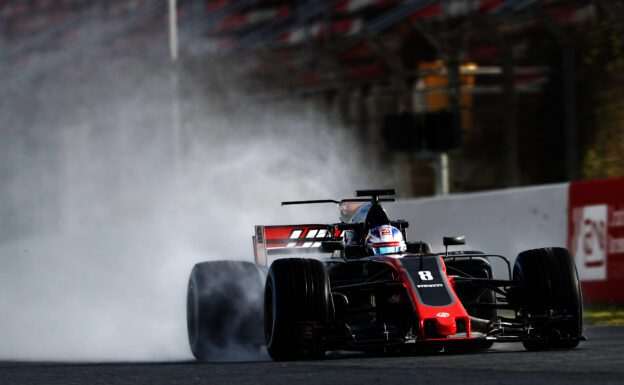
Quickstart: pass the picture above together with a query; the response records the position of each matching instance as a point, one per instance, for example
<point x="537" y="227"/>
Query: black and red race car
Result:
<point x="352" y="300"/>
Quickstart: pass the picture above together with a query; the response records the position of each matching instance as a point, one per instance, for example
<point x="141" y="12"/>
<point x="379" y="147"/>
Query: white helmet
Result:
<point x="385" y="239"/>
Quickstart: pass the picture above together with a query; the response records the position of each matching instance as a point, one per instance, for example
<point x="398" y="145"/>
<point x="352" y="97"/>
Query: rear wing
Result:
<point x="291" y="239"/>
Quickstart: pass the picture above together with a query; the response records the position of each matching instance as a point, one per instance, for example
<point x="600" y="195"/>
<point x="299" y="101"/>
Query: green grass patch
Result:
<point x="604" y="314"/>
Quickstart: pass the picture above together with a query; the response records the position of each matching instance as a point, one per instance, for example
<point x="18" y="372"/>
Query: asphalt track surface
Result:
<point x="598" y="361"/>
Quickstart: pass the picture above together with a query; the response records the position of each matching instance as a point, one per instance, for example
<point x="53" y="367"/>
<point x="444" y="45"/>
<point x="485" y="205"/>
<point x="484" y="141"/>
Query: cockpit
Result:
<point x="370" y="215"/>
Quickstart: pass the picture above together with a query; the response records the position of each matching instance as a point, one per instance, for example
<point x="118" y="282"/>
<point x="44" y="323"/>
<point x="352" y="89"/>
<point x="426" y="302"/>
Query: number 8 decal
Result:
<point x="425" y="275"/>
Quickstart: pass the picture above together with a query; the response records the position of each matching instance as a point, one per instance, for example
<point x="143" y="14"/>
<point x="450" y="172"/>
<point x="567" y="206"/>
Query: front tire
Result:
<point x="296" y="293"/>
<point x="548" y="284"/>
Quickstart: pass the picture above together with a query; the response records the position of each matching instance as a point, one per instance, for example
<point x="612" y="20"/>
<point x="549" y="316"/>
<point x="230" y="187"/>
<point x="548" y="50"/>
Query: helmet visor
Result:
<point x="386" y="250"/>
<point x="381" y="248"/>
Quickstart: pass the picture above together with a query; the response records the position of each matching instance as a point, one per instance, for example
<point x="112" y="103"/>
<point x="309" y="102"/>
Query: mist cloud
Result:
<point x="106" y="208"/>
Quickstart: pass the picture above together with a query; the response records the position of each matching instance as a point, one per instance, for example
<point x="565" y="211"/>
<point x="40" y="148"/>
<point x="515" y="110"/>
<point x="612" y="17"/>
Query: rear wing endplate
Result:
<point x="291" y="239"/>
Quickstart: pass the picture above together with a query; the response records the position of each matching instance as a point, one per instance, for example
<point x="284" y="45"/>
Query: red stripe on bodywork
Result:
<point x="423" y="312"/>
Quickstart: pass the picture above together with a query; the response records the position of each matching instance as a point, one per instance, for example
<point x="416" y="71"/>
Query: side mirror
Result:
<point x="331" y="246"/>
<point x="454" y="241"/>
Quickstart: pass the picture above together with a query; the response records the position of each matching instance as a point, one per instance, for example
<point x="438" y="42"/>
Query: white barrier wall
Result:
<point x="502" y="222"/>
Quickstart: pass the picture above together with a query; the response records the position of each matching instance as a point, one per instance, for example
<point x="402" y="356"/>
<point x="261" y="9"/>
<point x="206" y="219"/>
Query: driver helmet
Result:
<point x="385" y="239"/>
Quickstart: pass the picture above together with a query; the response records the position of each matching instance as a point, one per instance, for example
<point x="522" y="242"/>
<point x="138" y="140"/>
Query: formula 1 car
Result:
<point x="353" y="299"/>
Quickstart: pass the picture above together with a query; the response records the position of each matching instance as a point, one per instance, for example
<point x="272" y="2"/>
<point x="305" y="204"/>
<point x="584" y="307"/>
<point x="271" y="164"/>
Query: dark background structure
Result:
<point x="460" y="96"/>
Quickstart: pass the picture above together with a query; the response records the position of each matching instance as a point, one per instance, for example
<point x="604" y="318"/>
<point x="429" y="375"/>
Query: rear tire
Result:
<point x="296" y="291"/>
<point x="224" y="307"/>
<point x="548" y="282"/>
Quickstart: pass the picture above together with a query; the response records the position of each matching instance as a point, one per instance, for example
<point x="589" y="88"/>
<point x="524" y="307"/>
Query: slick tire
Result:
<point x="224" y="307"/>
<point x="548" y="280"/>
<point x="296" y="291"/>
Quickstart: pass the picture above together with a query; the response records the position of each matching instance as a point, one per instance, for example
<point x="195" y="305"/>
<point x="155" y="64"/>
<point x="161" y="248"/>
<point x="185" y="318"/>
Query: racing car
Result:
<point x="375" y="291"/>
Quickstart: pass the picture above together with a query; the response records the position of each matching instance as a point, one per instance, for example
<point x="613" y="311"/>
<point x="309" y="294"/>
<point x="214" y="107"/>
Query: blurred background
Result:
<point x="138" y="137"/>
<point x="441" y="96"/>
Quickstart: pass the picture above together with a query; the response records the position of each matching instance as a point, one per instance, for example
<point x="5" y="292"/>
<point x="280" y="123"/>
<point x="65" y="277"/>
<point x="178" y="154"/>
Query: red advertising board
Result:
<point x="596" y="237"/>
